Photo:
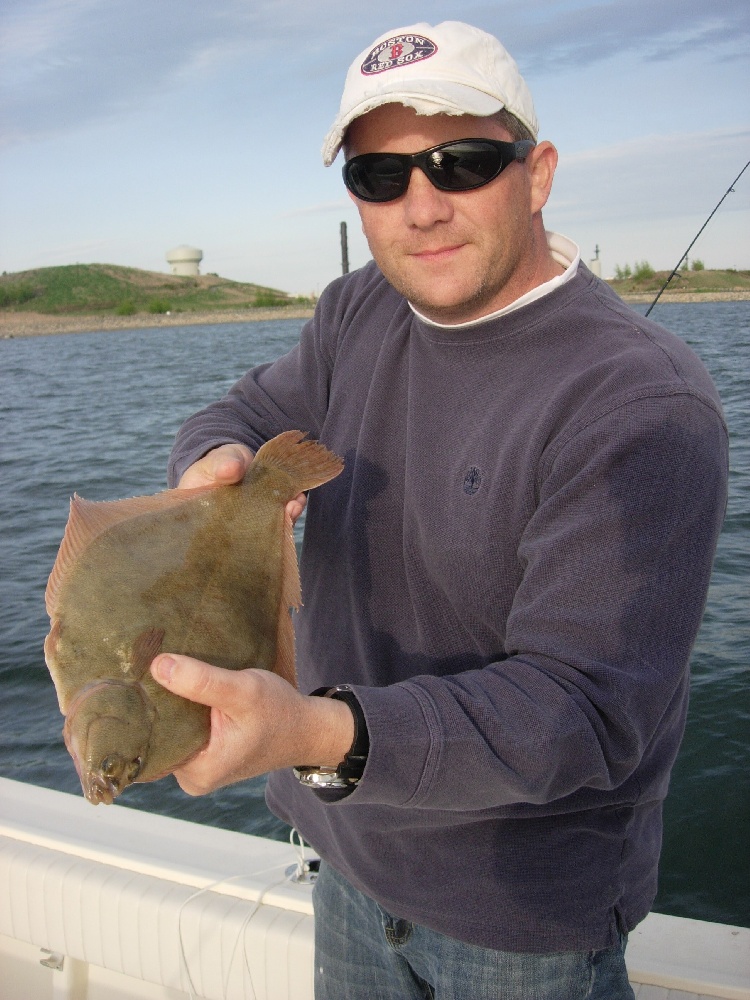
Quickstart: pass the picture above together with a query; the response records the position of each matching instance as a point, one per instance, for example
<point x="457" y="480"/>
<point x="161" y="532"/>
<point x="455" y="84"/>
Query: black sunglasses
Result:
<point x="452" y="166"/>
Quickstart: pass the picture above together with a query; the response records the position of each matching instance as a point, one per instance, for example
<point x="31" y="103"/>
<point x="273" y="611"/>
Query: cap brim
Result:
<point x="435" y="99"/>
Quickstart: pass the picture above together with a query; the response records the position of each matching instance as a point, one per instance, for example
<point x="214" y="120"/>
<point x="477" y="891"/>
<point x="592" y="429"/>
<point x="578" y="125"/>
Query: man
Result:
<point x="502" y="588"/>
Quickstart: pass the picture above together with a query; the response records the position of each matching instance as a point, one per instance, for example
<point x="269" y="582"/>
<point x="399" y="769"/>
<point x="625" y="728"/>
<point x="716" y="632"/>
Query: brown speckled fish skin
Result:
<point x="209" y="572"/>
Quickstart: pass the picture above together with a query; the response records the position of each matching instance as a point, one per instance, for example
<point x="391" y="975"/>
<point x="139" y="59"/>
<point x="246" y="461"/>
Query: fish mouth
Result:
<point x="106" y="783"/>
<point x="98" y="788"/>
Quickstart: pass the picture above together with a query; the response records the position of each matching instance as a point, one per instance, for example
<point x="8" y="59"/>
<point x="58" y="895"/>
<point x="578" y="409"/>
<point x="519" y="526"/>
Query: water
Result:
<point x="97" y="413"/>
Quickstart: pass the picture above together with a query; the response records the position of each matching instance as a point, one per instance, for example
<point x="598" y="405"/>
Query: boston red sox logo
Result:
<point x="401" y="50"/>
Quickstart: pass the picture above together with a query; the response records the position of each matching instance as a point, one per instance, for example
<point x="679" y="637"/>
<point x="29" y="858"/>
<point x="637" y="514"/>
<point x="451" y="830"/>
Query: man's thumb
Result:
<point x="190" y="678"/>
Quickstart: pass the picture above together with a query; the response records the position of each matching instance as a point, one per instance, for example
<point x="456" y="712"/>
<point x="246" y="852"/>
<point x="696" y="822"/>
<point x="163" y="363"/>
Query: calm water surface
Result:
<point x="97" y="413"/>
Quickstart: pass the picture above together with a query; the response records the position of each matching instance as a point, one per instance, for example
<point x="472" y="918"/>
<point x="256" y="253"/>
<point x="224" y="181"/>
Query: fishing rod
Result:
<point x="677" y="266"/>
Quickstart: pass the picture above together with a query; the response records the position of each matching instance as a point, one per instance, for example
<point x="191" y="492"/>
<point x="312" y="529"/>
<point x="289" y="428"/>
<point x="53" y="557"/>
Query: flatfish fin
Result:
<point x="307" y="464"/>
<point x="146" y="646"/>
<point x="291" y="597"/>
<point x="91" y="518"/>
<point x="51" y="643"/>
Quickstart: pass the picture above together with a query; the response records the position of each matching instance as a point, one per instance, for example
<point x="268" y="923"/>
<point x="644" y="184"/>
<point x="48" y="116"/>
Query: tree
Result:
<point x="642" y="270"/>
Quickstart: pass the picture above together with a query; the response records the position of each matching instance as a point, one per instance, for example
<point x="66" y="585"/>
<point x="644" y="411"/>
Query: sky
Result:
<point x="129" y="127"/>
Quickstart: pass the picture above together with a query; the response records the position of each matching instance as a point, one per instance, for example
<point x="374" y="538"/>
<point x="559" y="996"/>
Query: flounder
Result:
<point x="209" y="572"/>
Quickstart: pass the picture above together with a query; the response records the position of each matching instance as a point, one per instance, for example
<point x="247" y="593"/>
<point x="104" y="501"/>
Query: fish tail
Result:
<point x="308" y="463"/>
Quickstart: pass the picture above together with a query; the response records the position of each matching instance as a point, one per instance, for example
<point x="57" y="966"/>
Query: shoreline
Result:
<point x="728" y="296"/>
<point x="29" y="324"/>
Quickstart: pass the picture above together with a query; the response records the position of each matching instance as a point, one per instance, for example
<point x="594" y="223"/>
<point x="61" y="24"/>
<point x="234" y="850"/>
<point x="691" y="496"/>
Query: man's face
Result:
<point x="455" y="256"/>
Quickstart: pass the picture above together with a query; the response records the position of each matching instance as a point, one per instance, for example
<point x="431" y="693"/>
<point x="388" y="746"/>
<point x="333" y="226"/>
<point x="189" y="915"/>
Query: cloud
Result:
<point x="548" y="36"/>
<point x="653" y="177"/>
<point x="66" y="63"/>
<point x="323" y="208"/>
<point x="69" y="62"/>
<point x="83" y="250"/>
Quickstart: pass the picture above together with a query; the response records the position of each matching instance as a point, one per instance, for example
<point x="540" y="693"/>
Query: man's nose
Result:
<point x="424" y="204"/>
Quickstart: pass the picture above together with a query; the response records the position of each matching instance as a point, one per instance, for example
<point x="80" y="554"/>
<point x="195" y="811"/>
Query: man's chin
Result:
<point x="450" y="309"/>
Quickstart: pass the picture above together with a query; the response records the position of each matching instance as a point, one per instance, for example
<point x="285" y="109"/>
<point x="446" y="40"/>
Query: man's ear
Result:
<point x="541" y="162"/>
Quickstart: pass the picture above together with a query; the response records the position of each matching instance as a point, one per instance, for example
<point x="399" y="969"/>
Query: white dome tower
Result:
<point x="185" y="260"/>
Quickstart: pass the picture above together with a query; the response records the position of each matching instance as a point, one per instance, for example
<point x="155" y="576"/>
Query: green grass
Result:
<point x="644" y="281"/>
<point x="125" y="291"/>
<point x="16" y="294"/>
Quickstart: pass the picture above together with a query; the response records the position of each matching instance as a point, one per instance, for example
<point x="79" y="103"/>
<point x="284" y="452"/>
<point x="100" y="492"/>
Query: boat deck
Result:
<point x="110" y="902"/>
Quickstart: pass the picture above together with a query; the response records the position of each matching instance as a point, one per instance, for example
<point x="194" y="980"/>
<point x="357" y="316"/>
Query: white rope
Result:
<point x="301" y="871"/>
<point x="184" y="969"/>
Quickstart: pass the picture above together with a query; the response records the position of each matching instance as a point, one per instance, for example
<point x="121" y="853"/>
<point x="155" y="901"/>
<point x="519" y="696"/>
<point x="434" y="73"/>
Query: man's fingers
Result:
<point x="195" y="680"/>
<point x="225" y="465"/>
<point x="295" y="507"/>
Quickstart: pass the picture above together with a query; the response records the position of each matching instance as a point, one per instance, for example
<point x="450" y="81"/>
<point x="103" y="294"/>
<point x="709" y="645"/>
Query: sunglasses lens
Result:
<point x="463" y="166"/>
<point x="376" y="177"/>
<point x="453" y="166"/>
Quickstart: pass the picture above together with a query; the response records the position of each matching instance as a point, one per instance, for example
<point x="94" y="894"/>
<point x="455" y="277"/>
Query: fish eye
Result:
<point x="110" y="765"/>
<point x="135" y="769"/>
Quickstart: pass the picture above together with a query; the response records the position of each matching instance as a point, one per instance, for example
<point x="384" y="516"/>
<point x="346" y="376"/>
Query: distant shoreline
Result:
<point x="738" y="296"/>
<point x="28" y="324"/>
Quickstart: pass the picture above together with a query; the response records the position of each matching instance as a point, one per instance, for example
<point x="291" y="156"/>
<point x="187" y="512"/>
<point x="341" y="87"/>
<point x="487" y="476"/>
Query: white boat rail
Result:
<point x="110" y="903"/>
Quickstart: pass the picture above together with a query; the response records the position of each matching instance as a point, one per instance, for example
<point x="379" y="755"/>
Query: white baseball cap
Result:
<point x="450" y="69"/>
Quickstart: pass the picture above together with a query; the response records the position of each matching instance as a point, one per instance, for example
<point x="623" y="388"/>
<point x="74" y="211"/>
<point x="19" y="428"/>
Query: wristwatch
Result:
<point x="348" y="773"/>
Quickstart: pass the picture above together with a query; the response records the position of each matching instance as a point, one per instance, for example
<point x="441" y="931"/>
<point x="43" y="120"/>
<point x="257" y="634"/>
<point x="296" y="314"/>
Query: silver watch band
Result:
<point x="348" y="773"/>
<point x="320" y="777"/>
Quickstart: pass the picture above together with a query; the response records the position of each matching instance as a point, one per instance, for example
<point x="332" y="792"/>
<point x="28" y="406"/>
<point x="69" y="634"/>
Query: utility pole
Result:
<point x="344" y="250"/>
<point x="595" y="265"/>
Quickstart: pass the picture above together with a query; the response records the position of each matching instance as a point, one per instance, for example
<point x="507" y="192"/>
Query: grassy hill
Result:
<point x="108" y="288"/>
<point x="684" y="281"/>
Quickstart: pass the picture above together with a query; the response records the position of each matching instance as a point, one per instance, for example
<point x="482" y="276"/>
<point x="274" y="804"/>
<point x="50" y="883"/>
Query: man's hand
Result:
<point x="226" y="465"/>
<point x="259" y="723"/>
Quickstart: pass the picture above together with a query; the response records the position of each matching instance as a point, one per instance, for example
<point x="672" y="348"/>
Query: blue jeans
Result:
<point x="364" y="953"/>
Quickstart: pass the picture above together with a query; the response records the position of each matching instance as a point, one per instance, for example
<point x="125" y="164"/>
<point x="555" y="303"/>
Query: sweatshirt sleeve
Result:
<point x="593" y="684"/>
<point x="289" y="394"/>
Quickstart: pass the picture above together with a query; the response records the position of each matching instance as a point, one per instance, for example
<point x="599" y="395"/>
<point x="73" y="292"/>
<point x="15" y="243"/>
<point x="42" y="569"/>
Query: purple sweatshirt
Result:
<point x="510" y="571"/>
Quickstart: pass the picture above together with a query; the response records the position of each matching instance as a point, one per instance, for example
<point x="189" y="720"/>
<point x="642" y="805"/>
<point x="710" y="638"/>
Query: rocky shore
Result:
<point x="29" y="324"/>
<point x="738" y="296"/>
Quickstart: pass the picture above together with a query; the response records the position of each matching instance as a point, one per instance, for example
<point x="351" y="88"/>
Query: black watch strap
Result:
<point x="348" y="773"/>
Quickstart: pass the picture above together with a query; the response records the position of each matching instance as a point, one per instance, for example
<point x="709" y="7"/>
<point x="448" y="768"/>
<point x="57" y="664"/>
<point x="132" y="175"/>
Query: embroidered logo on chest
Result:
<point x="472" y="480"/>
